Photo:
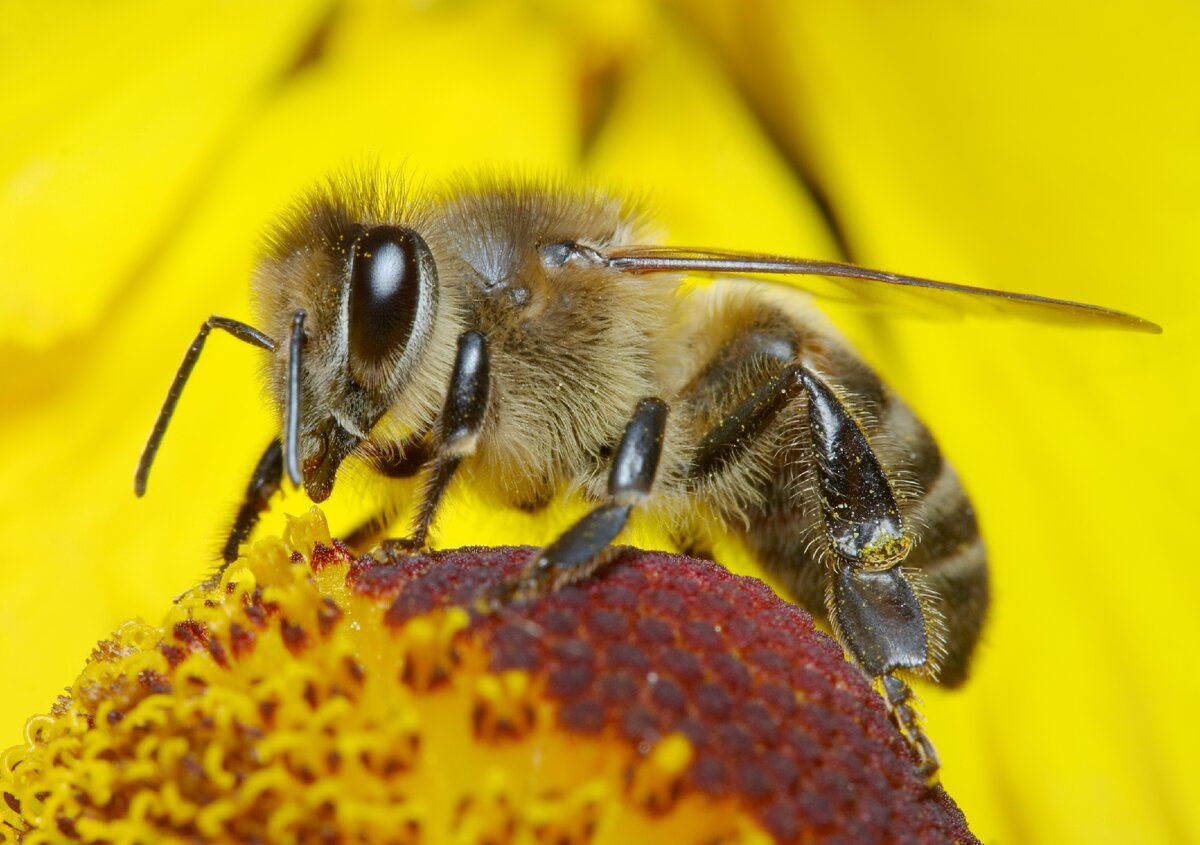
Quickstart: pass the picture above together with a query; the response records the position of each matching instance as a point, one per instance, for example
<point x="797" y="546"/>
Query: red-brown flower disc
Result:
<point x="315" y="698"/>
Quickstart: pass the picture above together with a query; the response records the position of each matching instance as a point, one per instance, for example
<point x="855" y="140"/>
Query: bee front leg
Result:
<point x="875" y="606"/>
<point x="456" y="436"/>
<point x="264" y="483"/>
<point x="584" y="547"/>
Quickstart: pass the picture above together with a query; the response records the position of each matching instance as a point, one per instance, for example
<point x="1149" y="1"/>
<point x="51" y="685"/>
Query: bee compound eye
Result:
<point x="391" y="270"/>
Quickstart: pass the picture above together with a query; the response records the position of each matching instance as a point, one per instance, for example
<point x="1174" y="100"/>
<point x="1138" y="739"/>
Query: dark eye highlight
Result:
<point x="388" y="270"/>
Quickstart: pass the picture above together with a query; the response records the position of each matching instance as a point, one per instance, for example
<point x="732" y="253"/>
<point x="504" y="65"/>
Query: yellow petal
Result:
<point x="111" y="117"/>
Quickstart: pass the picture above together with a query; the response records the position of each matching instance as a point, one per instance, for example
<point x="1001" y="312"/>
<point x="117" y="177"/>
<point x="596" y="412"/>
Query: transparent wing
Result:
<point x="873" y="287"/>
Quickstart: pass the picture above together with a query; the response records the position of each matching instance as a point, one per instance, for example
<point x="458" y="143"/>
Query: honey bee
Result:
<point x="519" y="334"/>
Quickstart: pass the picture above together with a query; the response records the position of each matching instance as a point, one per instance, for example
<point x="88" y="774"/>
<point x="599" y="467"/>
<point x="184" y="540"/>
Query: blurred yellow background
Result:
<point x="1044" y="149"/>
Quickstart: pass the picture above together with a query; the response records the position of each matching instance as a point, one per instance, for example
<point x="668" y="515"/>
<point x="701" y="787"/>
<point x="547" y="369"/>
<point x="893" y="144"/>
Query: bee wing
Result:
<point x="872" y="287"/>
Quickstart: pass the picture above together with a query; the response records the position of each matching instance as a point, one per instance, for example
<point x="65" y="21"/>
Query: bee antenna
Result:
<point x="241" y="331"/>
<point x="291" y="419"/>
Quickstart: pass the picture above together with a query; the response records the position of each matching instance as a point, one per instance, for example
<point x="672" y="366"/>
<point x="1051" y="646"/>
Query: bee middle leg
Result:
<point x="399" y="461"/>
<point x="584" y="548"/>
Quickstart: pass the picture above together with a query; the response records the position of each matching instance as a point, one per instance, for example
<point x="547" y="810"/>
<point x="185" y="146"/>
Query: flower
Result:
<point x="1040" y="149"/>
<point x="312" y="697"/>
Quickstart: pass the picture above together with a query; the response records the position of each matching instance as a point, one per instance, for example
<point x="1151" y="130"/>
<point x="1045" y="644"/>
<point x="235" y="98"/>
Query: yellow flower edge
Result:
<point x="313" y="697"/>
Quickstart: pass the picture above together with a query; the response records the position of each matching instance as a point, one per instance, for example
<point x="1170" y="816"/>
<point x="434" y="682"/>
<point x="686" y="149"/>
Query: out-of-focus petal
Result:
<point x="112" y="116"/>
<point x="680" y="133"/>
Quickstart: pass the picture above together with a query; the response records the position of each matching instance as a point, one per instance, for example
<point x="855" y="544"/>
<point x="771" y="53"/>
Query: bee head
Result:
<point x="350" y="266"/>
<point x="388" y="292"/>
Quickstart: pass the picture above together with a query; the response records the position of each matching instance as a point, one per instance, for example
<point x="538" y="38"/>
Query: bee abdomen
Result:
<point x="951" y="555"/>
<point x="949" y="550"/>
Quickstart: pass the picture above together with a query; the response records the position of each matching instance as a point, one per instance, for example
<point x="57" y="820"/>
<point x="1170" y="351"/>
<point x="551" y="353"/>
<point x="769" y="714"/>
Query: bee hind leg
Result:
<point x="584" y="548"/>
<point x="881" y="611"/>
<point x="878" y="618"/>
<point x="897" y="695"/>
<point x="878" y="609"/>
